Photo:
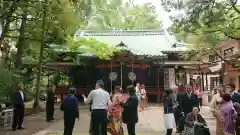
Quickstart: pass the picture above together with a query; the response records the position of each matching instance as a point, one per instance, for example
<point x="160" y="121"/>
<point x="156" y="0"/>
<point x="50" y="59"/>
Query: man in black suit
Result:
<point x="71" y="111"/>
<point x="190" y="100"/>
<point x="18" y="103"/>
<point x="50" y="103"/>
<point x="130" y="112"/>
<point x="236" y="100"/>
<point x="234" y="94"/>
<point x="177" y="105"/>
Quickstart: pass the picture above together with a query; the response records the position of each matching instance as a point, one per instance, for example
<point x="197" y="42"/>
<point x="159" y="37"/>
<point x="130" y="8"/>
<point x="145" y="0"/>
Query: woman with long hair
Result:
<point x="143" y="96"/>
<point x="216" y="105"/>
<point x="115" y="113"/>
<point x="169" y="119"/>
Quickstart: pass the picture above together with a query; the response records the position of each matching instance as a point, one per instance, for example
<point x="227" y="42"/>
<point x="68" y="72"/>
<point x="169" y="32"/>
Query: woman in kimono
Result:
<point x="143" y="96"/>
<point x="169" y="120"/>
<point x="215" y="105"/>
<point x="115" y="113"/>
<point x="194" y="123"/>
<point x="228" y="115"/>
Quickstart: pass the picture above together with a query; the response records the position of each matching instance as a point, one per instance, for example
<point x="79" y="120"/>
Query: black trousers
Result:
<point x="237" y="130"/>
<point x="99" y="121"/>
<point x="169" y="131"/>
<point x="131" y="128"/>
<point x="18" y="115"/>
<point x="49" y="111"/>
<point x="69" y="123"/>
<point x="177" y="116"/>
<point x="200" y="101"/>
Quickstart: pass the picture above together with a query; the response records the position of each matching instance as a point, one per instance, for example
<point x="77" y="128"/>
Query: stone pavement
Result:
<point x="150" y="123"/>
<point x="37" y="122"/>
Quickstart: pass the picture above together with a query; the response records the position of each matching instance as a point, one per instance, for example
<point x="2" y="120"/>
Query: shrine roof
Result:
<point x="139" y="42"/>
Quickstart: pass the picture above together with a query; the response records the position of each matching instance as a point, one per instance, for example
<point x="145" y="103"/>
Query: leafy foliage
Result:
<point x="7" y="80"/>
<point x="32" y="26"/>
<point x="205" y="23"/>
<point x="117" y="15"/>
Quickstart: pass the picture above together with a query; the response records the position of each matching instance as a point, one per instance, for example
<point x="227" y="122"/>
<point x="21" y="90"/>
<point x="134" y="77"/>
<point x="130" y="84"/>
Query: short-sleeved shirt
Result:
<point x="100" y="99"/>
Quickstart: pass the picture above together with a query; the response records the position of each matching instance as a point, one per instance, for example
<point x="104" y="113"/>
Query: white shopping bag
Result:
<point x="169" y="121"/>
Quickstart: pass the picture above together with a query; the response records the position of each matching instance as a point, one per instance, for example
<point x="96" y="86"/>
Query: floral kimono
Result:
<point x="115" y="116"/>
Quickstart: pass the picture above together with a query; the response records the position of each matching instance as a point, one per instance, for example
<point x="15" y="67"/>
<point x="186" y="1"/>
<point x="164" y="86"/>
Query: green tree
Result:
<point x="205" y="23"/>
<point x="32" y="25"/>
<point x="120" y="15"/>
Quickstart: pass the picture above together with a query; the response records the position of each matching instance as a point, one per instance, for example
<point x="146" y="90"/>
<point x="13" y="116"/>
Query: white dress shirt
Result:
<point x="100" y="99"/>
<point x="138" y="92"/>
<point x="22" y="95"/>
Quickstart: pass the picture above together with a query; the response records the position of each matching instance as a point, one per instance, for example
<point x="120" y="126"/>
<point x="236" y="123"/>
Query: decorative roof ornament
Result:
<point x="121" y="45"/>
<point x="132" y="76"/>
<point x="113" y="76"/>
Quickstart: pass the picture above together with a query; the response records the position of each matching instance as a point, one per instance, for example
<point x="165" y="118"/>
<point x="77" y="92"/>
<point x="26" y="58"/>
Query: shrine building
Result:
<point x="147" y="57"/>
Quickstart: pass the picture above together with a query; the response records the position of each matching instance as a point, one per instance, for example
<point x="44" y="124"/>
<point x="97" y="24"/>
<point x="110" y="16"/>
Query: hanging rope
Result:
<point x="111" y="80"/>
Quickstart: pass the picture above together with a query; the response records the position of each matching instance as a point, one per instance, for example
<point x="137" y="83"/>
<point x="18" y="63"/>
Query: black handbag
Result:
<point x="201" y="130"/>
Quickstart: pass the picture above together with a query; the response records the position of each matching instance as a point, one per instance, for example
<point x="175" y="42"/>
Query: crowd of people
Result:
<point x="181" y="110"/>
<point x="225" y="108"/>
<point x="108" y="113"/>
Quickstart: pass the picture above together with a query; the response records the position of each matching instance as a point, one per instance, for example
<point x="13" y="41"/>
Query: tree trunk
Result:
<point x="7" y="19"/>
<point x="36" y="104"/>
<point x="21" y="41"/>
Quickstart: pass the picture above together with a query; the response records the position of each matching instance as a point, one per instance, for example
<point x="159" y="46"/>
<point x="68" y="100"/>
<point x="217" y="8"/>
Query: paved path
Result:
<point x="150" y="123"/>
<point x="37" y="122"/>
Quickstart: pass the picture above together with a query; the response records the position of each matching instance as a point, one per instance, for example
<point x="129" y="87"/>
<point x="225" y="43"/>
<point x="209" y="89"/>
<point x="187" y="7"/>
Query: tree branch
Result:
<point x="232" y="37"/>
<point x="233" y="4"/>
<point x="220" y="56"/>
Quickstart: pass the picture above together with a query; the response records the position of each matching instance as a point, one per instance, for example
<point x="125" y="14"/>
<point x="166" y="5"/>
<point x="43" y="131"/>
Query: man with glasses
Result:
<point x="190" y="100"/>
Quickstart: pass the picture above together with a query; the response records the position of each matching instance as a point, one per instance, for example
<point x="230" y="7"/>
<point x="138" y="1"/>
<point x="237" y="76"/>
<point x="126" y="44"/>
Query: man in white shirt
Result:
<point x="100" y="103"/>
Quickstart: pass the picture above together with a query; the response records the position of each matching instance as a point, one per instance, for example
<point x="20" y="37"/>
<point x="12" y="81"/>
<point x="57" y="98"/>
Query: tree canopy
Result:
<point x="119" y="15"/>
<point x="30" y="27"/>
<point x="204" y="23"/>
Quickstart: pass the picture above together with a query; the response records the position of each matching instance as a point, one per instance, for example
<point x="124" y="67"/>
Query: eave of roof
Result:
<point x="139" y="42"/>
<point x="193" y="63"/>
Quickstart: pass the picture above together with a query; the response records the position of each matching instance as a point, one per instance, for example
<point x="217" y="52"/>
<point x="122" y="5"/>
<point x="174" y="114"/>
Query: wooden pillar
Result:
<point x="121" y="64"/>
<point x="158" y="87"/>
<point x="176" y="83"/>
<point x="202" y="82"/>
<point x="207" y="80"/>
<point x="111" y="81"/>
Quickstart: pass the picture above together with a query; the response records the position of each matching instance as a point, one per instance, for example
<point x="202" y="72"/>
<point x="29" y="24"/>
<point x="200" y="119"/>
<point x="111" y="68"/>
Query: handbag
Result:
<point x="169" y="120"/>
<point x="201" y="130"/>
